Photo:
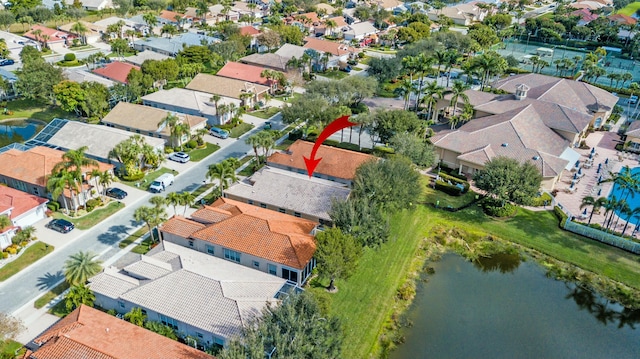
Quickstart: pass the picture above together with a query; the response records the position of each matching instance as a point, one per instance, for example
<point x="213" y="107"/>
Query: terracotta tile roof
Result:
<point x="334" y="48"/>
<point x="116" y="71"/>
<point x="171" y="15"/>
<point x="21" y="202"/>
<point x="260" y="232"/>
<point x="34" y="165"/>
<point x="244" y="72"/>
<point x="54" y="35"/>
<point x="622" y="19"/>
<point x="88" y="333"/>
<point x="339" y="20"/>
<point x="310" y="16"/>
<point x="336" y="162"/>
<point x="181" y="226"/>
<point x="249" y="31"/>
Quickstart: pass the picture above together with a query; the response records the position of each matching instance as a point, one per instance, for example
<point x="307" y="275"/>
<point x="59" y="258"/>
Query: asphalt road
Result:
<point x="45" y="273"/>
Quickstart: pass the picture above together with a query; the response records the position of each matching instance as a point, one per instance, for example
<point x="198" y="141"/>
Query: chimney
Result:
<point x="521" y="91"/>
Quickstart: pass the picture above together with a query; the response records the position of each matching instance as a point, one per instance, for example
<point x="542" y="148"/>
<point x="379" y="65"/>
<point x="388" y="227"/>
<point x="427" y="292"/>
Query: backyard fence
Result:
<point x="601" y="236"/>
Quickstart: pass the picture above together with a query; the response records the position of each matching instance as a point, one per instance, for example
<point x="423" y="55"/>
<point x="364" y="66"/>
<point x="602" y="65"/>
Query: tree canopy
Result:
<point x="337" y="254"/>
<point x="509" y="180"/>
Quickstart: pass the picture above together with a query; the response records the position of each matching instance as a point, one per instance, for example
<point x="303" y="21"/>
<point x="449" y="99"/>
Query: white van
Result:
<point x="161" y="183"/>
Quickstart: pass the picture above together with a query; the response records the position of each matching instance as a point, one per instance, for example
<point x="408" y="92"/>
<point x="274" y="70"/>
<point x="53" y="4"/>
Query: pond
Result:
<point x="12" y="131"/>
<point x="507" y="309"/>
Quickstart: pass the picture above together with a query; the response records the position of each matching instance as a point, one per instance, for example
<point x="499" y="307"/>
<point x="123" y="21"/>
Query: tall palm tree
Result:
<point x="151" y="20"/>
<point x="458" y="92"/>
<point x="180" y="130"/>
<point x="174" y="199"/>
<point x="425" y="64"/>
<point x="80" y="267"/>
<point x="75" y="161"/>
<point x="80" y="29"/>
<point x="595" y="203"/>
<point x="224" y="172"/>
<point x="405" y="90"/>
<point x="410" y="63"/>
<point x="151" y="216"/>
<point x="170" y="121"/>
<point x="95" y="176"/>
<point x="254" y="141"/>
<point x="56" y="184"/>
<point x="609" y="206"/>
<point x="632" y="213"/>
<point x="186" y="199"/>
<point x="106" y="179"/>
<point x="433" y="92"/>
<point x="623" y="210"/>
<point x="330" y="25"/>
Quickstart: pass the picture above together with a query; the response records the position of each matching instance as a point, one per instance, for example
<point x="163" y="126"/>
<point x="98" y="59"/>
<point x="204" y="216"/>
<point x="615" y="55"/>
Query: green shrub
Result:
<point x="295" y="135"/>
<point x="445" y="179"/>
<point x="134" y="177"/>
<point x="562" y="217"/>
<point x="349" y="146"/>
<point x="5" y="255"/>
<point x="69" y="57"/>
<point x="53" y="206"/>
<point x="168" y="150"/>
<point x="382" y="151"/>
<point x="448" y="189"/>
<point x="494" y="209"/>
<point x="192" y="144"/>
<point x="407" y="291"/>
<point x="539" y="201"/>
<point x="92" y="203"/>
<point x="331" y="143"/>
<point x="452" y="172"/>
<point x="11" y="250"/>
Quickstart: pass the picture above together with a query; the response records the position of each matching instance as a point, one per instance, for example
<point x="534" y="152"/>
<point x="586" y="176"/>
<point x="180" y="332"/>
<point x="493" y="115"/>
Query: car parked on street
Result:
<point x="180" y="157"/>
<point x="61" y="225"/>
<point x="116" y="193"/>
<point x="6" y="62"/>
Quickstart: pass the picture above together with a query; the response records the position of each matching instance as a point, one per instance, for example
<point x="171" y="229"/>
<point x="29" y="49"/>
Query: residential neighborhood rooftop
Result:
<point x="144" y="118"/>
<point x="244" y="72"/>
<point x="285" y="189"/>
<point x="334" y="48"/>
<point x="143" y="56"/>
<point x="224" y="86"/>
<point x="228" y="295"/>
<point x="90" y="333"/>
<point x="336" y="162"/>
<point x="18" y="202"/>
<point x="185" y="98"/>
<point x="116" y="71"/>
<point x="260" y="232"/>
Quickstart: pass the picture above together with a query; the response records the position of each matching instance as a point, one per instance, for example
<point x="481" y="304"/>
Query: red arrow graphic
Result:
<point x="333" y="127"/>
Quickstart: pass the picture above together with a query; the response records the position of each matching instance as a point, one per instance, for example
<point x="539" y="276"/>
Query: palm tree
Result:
<point x="180" y="130"/>
<point x="254" y="141"/>
<point x="330" y="25"/>
<point x="151" y="216"/>
<point x="405" y="90"/>
<point x="433" y="92"/>
<point x="78" y="295"/>
<point x="623" y="210"/>
<point x="224" y="172"/>
<point x="424" y="65"/>
<point x="174" y="199"/>
<point x="632" y="213"/>
<point x="106" y="179"/>
<point x="151" y="20"/>
<point x="609" y="206"/>
<point x="5" y="222"/>
<point x="136" y="317"/>
<point x="595" y="203"/>
<point x="80" y="267"/>
<point x="170" y="121"/>
<point x="56" y="184"/>
<point x="74" y="161"/>
<point x="95" y="175"/>
<point x="186" y="199"/>
<point x="458" y="92"/>
<point x="410" y="63"/>
<point x="80" y="29"/>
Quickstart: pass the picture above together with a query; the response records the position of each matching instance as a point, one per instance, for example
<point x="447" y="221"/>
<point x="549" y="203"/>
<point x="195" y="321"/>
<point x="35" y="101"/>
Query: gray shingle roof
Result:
<point x="290" y="190"/>
<point x="634" y="129"/>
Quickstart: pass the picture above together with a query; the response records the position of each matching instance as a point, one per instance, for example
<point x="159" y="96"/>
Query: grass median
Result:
<point x="202" y="153"/>
<point x="382" y="271"/>
<point x="145" y="182"/>
<point x="50" y="295"/>
<point x="26" y="258"/>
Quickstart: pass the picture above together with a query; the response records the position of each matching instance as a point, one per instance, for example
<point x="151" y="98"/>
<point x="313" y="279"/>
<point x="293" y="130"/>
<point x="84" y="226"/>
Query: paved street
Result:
<point x="38" y="278"/>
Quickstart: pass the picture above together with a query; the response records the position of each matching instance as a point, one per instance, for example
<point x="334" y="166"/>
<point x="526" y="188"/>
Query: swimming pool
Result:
<point x="634" y="202"/>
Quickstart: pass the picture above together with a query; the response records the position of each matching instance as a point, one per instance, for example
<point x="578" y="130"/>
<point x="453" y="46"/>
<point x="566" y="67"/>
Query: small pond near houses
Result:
<point x="504" y="308"/>
<point x="12" y="131"/>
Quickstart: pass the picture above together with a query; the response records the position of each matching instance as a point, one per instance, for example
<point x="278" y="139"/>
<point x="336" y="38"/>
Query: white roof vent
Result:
<point x="535" y="158"/>
<point x="505" y="144"/>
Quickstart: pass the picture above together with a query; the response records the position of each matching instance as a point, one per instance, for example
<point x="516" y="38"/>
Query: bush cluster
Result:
<point x="69" y="57"/>
<point x="562" y="217"/>
<point x="134" y="177"/>
<point x="495" y="208"/>
<point x="539" y="201"/>
<point x="53" y="206"/>
<point x="192" y="144"/>
<point x="93" y="203"/>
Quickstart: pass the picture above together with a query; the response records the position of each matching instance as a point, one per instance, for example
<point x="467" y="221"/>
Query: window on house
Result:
<point x="218" y="341"/>
<point x="143" y="311"/>
<point x="190" y="243"/>
<point x="199" y="335"/>
<point x="256" y="264"/>
<point x="232" y="255"/>
<point x="297" y="214"/>
<point x="121" y="304"/>
<point x="290" y="275"/>
<point x="210" y="249"/>
<point x="170" y="322"/>
<point x="272" y="269"/>
<point x="250" y="201"/>
<point x="282" y="210"/>
<point x="263" y="205"/>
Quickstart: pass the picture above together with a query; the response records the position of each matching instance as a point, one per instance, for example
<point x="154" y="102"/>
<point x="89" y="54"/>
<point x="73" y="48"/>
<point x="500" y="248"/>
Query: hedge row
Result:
<point x="449" y="189"/>
<point x="562" y="217"/>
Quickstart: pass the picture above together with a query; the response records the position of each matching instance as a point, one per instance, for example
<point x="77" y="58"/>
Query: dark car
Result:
<point x="116" y="193"/>
<point x="60" y="225"/>
<point x="346" y="69"/>
<point x="5" y="62"/>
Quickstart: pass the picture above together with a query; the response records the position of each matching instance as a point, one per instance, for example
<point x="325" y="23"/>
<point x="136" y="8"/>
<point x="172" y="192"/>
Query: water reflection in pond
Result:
<point x="502" y="262"/>
<point x="512" y="310"/>
<point x="15" y="131"/>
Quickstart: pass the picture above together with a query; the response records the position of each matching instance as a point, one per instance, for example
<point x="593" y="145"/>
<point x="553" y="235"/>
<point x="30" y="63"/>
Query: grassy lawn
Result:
<point x="200" y="190"/>
<point x="289" y="99"/>
<point x="132" y="238"/>
<point x="143" y="247"/>
<point x="630" y="9"/>
<point x="201" y="153"/>
<point x="240" y="130"/>
<point x="250" y="169"/>
<point x="270" y="112"/>
<point x="114" y="55"/>
<point x="93" y="218"/>
<point x="48" y="296"/>
<point x="381" y="271"/>
<point x="8" y="348"/>
<point x="284" y="145"/>
<point x="35" y="109"/>
<point x="433" y="196"/>
<point x="334" y="74"/>
<point x="148" y="178"/>
<point x="27" y="257"/>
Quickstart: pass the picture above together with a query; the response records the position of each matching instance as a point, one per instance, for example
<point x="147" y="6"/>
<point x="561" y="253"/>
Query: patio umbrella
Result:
<point x="599" y="191"/>
<point x="593" y="150"/>
<point x="591" y="156"/>
<point x="577" y="164"/>
<point x="572" y="183"/>
<point x="575" y="176"/>
<point x="579" y="171"/>
<point x="606" y="162"/>
<point x="599" y="167"/>
<point x="600" y="179"/>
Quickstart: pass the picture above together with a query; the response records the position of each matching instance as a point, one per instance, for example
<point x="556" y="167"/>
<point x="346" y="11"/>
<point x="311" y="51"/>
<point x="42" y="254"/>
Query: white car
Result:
<point x="180" y="157"/>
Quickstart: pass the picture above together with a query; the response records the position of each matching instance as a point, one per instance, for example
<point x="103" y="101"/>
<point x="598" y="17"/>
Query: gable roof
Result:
<point x="117" y="71"/>
<point x="260" y="232"/>
<point x="634" y="129"/>
<point x="227" y="295"/>
<point x="145" y="118"/>
<point x="54" y="35"/>
<point x="334" y="48"/>
<point x="289" y="51"/>
<point x="336" y="162"/>
<point x="19" y="202"/>
<point x="224" y="86"/>
<point x="244" y="72"/>
<point x="575" y="95"/>
<point x="90" y="333"/>
<point x="622" y="19"/>
<point x="35" y="165"/>
<point x="186" y="98"/>
<point x="339" y="20"/>
<point x="249" y="31"/>
<point x="143" y="56"/>
<point x="293" y="191"/>
<point x="361" y="28"/>
<point x="519" y="134"/>
<point x="310" y="16"/>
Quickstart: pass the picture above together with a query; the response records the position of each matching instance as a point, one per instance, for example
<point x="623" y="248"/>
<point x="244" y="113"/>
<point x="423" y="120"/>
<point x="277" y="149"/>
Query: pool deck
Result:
<point x="605" y="143"/>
